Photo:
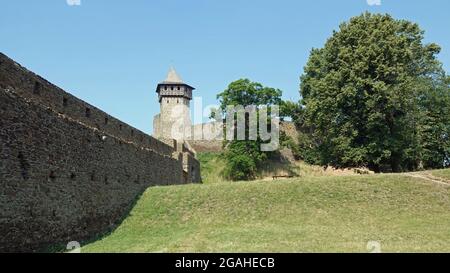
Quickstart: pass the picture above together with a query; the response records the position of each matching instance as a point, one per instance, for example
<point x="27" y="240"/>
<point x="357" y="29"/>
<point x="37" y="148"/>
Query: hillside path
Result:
<point x="429" y="177"/>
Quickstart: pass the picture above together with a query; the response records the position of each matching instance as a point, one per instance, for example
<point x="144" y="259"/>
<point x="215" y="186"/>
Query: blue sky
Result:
<point x="112" y="53"/>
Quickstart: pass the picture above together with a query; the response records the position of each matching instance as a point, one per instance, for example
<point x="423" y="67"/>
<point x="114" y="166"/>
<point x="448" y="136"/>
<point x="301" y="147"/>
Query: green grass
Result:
<point x="445" y="173"/>
<point x="311" y="214"/>
<point x="213" y="164"/>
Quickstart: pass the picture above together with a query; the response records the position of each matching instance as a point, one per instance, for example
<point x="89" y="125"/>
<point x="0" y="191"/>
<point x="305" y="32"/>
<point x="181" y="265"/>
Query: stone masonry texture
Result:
<point x="69" y="171"/>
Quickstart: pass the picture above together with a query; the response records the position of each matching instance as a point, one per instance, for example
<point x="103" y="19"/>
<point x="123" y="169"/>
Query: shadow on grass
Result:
<point x="62" y="247"/>
<point x="277" y="167"/>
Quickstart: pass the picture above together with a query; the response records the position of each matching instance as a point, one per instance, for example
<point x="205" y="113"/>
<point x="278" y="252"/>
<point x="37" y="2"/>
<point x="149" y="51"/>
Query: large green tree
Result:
<point x="244" y="157"/>
<point x="375" y="95"/>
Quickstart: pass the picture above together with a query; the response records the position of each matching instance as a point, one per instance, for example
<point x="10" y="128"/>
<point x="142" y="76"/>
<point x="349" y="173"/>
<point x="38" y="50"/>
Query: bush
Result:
<point x="242" y="160"/>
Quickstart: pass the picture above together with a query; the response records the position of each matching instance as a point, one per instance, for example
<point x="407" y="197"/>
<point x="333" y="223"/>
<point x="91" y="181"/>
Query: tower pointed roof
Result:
<point x="173" y="77"/>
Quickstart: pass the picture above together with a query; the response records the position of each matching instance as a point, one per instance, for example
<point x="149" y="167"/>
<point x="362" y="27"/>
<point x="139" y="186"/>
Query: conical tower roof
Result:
<point x="173" y="77"/>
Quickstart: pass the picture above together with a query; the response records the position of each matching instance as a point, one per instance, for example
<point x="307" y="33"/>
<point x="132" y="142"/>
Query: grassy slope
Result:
<point x="442" y="173"/>
<point x="212" y="165"/>
<point x="320" y="214"/>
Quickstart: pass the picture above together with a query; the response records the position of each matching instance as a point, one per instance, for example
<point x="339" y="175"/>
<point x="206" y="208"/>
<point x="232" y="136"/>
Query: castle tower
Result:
<point x="175" y="97"/>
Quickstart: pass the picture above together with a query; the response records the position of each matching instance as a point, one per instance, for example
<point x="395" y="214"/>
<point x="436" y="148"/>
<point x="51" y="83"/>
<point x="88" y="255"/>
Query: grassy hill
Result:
<point x="444" y="174"/>
<point x="213" y="164"/>
<point x="308" y="214"/>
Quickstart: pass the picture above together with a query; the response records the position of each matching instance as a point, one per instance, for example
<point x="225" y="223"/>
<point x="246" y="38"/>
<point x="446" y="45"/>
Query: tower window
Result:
<point x="178" y="88"/>
<point x="24" y="166"/>
<point x="52" y="175"/>
<point x="171" y="88"/>
<point x="165" y="87"/>
<point x="37" y="88"/>
<point x="167" y="101"/>
<point x="178" y="101"/>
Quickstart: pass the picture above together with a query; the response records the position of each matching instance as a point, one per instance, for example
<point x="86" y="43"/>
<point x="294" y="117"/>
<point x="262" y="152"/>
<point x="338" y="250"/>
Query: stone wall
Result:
<point x="207" y="146"/>
<point x="31" y="86"/>
<point x="191" y="168"/>
<point x="208" y="137"/>
<point x="289" y="129"/>
<point x="68" y="173"/>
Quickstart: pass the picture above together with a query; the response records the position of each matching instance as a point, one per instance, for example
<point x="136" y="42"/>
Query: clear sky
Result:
<point x="112" y="53"/>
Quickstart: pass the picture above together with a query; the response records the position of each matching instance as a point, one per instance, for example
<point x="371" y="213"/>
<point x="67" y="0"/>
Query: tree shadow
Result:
<point x="62" y="247"/>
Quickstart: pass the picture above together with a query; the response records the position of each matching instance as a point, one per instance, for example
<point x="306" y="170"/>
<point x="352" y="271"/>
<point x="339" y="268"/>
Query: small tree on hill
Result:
<point x="244" y="157"/>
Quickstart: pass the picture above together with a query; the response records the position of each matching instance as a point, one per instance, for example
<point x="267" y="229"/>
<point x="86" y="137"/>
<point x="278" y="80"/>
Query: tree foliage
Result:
<point x="290" y="109"/>
<point x="245" y="92"/>
<point x="243" y="157"/>
<point x="375" y="95"/>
